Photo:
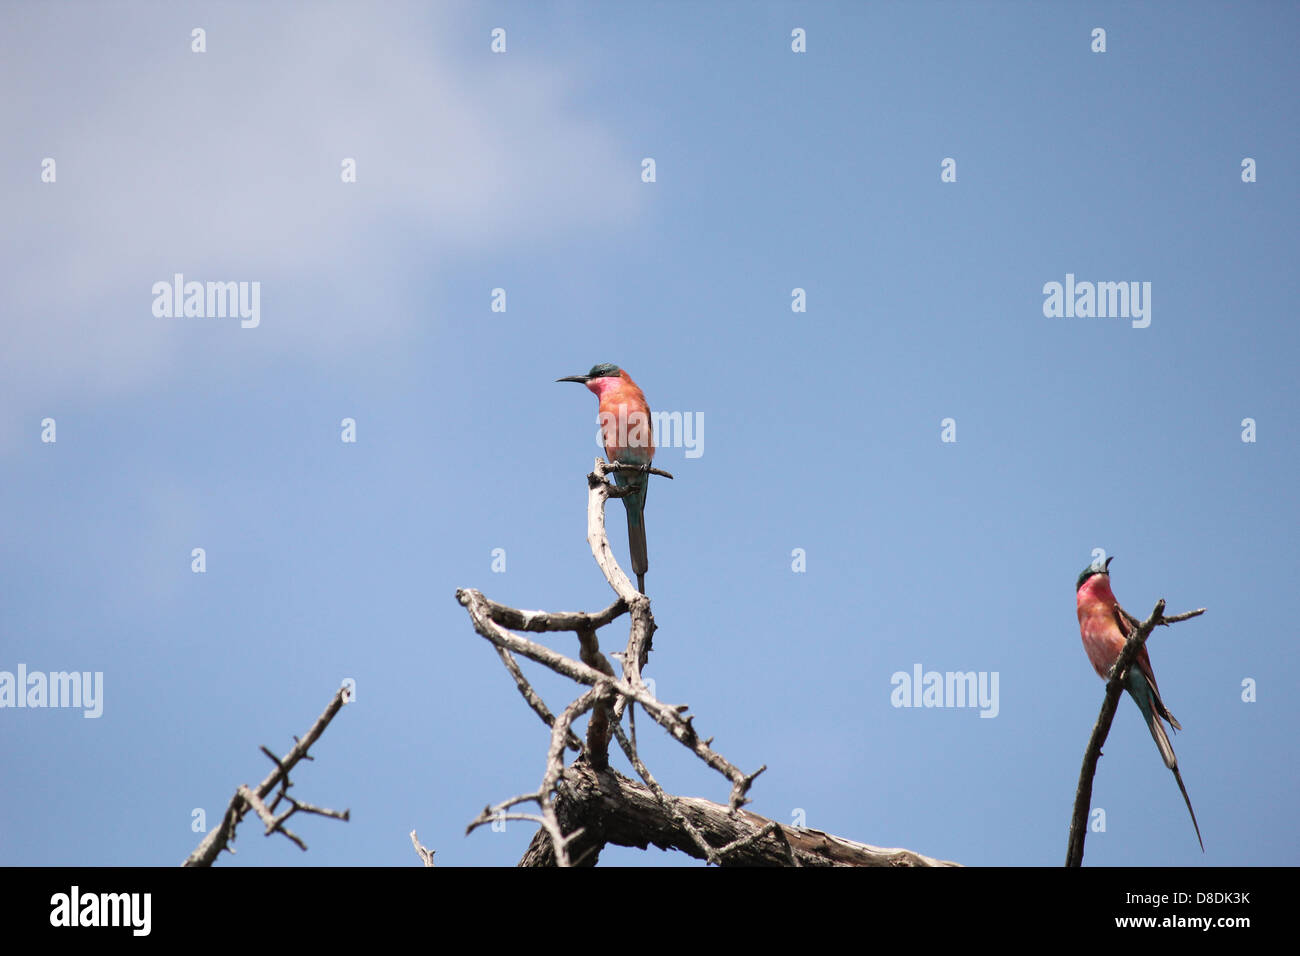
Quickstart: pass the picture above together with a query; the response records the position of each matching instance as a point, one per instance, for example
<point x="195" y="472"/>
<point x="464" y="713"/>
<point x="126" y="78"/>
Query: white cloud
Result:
<point x="225" y="166"/>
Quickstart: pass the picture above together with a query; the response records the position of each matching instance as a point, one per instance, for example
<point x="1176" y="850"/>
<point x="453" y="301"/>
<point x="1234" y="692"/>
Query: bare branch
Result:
<point x="669" y="803"/>
<point x="534" y="700"/>
<point x="598" y="726"/>
<point x="300" y="806"/>
<point x="600" y="491"/>
<point x="246" y="799"/>
<point x="553" y="620"/>
<point x="1185" y="616"/>
<point x="643" y="627"/>
<point x="628" y="466"/>
<point x="426" y="855"/>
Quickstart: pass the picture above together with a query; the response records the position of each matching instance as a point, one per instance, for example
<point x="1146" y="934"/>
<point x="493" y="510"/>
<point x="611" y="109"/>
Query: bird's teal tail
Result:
<point x="635" y="505"/>
<point x="1153" y="708"/>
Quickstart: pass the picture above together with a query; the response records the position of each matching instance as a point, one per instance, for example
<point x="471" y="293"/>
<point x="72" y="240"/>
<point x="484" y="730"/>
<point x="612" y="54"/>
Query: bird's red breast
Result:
<point x="624" y="419"/>
<point x="1099" y="627"/>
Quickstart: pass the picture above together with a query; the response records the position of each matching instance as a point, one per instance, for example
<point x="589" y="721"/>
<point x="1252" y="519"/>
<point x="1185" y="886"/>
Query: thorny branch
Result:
<point x="1138" y="634"/>
<point x="246" y="799"/>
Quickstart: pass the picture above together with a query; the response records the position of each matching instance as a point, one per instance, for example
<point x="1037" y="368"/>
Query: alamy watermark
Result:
<point x="1102" y="300"/>
<point x="129" y="910"/>
<point x="84" y="689"/>
<point x="946" y="689"/>
<point x="668" y="429"/>
<point x="208" y="300"/>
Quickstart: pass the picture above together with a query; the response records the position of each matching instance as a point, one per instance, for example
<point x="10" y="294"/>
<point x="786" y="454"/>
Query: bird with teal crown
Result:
<point x="1104" y="632"/>
<point x="627" y="433"/>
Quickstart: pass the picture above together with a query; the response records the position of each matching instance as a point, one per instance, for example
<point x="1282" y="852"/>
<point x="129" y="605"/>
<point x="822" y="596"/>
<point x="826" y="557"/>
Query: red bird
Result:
<point x="1104" y="632"/>
<point x="628" y="434"/>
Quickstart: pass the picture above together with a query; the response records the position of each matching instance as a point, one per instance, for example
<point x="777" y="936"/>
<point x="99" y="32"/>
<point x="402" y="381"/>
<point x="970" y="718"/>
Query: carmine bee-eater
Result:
<point x="1104" y="632"/>
<point x="628" y="436"/>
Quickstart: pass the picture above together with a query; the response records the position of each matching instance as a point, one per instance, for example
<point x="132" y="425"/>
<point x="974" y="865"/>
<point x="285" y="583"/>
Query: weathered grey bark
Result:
<point x="611" y="809"/>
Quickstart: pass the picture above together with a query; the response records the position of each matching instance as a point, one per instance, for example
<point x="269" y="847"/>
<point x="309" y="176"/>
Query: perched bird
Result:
<point x="627" y="433"/>
<point x="1104" y="632"/>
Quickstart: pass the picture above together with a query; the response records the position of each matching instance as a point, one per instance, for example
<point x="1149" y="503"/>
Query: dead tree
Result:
<point x="585" y="804"/>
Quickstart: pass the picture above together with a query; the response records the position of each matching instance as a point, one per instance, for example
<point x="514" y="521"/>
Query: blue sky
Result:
<point x="774" y="170"/>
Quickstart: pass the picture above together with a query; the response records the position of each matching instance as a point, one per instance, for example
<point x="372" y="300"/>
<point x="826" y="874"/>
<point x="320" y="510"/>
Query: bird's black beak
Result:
<point x="1108" y="561"/>
<point x="581" y="379"/>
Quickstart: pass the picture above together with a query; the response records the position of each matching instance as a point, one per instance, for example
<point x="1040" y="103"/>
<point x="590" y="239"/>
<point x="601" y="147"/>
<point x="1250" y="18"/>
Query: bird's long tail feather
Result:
<point x="1187" y="800"/>
<point x="1161" y="738"/>
<point x="1167" y="752"/>
<point x="636" y="544"/>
